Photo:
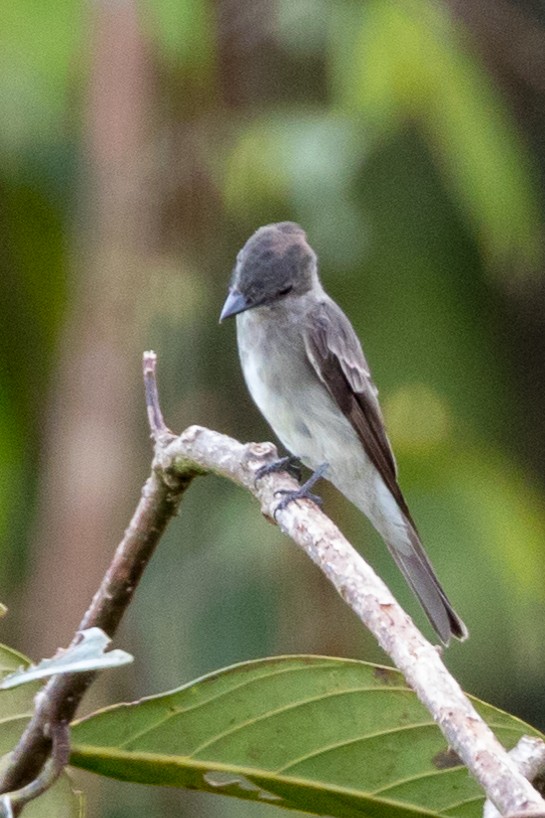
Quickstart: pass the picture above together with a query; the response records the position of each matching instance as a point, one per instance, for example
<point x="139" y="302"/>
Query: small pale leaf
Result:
<point x="89" y="654"/>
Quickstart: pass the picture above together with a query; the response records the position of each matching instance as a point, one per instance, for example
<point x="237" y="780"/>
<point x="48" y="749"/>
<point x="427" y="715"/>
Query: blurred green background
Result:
<point x="141" y="144"/>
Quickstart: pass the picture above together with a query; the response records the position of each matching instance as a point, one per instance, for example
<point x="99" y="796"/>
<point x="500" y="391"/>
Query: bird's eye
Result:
<point x="286" y="290"/>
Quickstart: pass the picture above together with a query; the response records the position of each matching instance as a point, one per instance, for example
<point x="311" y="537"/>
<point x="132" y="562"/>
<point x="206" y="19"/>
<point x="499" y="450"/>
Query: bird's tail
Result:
<point x="418" y="571"/>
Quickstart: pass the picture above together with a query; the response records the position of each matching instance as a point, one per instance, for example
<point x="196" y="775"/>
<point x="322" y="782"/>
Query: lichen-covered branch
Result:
<point x="201" y="451"/>
<point x="419" y="661"/>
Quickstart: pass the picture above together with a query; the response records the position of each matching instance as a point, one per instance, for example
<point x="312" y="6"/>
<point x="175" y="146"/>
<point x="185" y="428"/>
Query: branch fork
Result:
<point x="198" y="451"/>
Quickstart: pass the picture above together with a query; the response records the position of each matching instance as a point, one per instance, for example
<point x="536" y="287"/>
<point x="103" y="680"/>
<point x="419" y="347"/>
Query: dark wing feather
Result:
<point x="336" y="354"/>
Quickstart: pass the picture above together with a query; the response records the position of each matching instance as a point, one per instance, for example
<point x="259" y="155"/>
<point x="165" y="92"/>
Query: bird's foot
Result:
<point x="302" y="493"/>
<point x="291" y="464"/>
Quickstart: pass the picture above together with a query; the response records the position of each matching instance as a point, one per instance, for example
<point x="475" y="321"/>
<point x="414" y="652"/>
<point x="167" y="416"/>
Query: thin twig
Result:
<point x="60" y="698"/>
<point x="157" y="424"/>
<point x="529" y="756"/>
<point x="12" y="803"/>
<point x="199" y="451"/>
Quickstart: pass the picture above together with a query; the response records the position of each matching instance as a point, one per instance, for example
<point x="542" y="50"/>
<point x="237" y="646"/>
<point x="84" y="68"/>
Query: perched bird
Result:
<point x="305" y="369"/>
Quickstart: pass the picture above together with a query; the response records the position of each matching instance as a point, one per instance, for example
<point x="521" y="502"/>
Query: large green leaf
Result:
<point x="16" y="707"/>
<point x="328" y="736"/>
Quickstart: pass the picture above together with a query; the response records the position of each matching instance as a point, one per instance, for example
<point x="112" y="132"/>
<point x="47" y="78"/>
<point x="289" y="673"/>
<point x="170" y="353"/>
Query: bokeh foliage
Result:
<point x="379" y="127"/>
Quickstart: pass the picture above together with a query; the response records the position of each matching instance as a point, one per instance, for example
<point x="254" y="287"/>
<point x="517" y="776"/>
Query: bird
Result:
<point x="306" y="371"/>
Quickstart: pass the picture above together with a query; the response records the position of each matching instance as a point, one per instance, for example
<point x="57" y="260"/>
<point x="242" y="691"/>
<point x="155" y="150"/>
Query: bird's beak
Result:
<point x="234" y="303"/>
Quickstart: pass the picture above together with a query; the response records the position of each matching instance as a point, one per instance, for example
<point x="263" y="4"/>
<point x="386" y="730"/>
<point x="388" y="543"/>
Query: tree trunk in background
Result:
<point x="92" y="475"/>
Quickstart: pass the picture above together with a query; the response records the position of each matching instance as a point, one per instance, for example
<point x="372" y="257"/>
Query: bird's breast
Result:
<point x="287" y="390"/>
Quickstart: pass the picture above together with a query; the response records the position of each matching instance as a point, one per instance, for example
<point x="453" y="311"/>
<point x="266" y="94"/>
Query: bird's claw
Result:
<point x="291" y="496"/>
<point x="290" y="463"/>
<point x="302" y="493"/>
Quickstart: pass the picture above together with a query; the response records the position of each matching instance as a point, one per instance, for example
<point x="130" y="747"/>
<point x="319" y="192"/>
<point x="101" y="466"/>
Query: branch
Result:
<point x="529" y="756"/>
<point x="371" y="601"/>
<point x="12" y="804"/>
<point x="58" y="701"/>
<point x="201" y="451"/>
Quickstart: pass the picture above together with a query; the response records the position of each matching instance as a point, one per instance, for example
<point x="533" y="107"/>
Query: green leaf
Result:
<point x="61" y="801"/>
<point x="328" y="736"/>
<point x="16" y="707"/>
<point x="405" y="62"/>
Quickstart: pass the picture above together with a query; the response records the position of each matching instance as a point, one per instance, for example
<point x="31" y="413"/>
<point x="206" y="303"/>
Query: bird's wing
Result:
<point x="337" y="357"/>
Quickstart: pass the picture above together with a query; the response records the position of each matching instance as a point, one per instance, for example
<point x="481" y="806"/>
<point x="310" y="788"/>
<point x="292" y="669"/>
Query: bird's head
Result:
<point x="276" y="262"/>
